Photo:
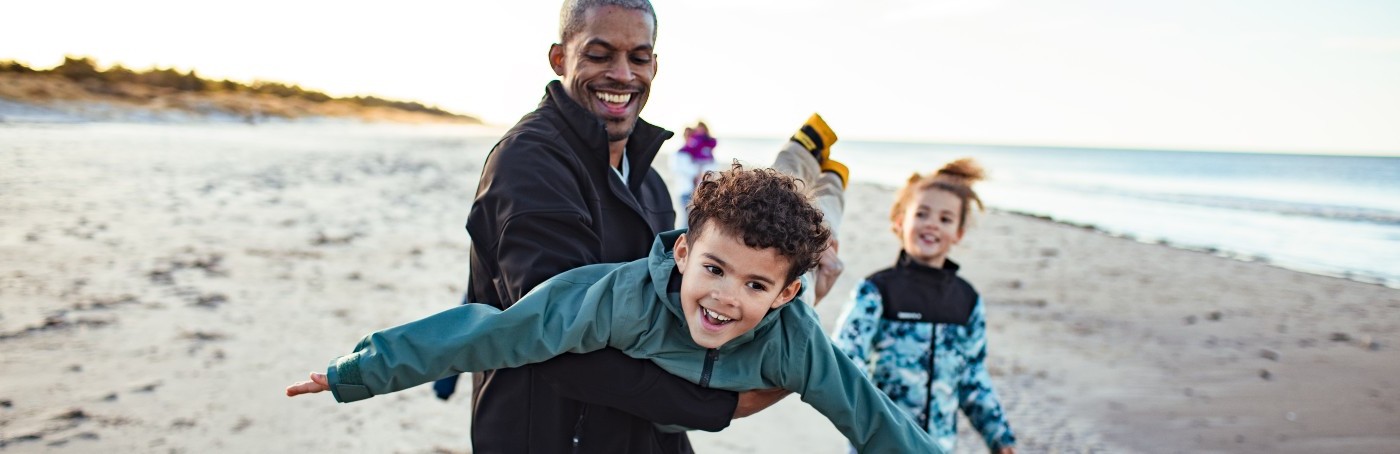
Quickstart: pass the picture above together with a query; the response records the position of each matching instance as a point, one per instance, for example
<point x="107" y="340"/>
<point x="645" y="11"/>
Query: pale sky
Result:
<point x="1261" y="75"/>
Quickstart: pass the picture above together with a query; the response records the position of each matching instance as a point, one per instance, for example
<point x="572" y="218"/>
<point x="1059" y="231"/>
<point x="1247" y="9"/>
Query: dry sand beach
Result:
<point x="161" y="284"/>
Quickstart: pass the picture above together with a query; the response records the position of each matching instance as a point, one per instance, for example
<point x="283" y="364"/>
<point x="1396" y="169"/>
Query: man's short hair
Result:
<point x="766" y="209"/>
<point x="571" y="14"/>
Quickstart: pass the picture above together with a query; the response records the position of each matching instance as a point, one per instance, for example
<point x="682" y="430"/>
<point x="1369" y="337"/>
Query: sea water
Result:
<point x="1327" y="214"/>
<point x="1333" y="215"/>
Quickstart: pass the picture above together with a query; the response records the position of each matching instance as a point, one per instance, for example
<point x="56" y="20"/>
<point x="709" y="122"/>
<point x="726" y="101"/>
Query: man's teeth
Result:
<point x="612" y="98"/>
<point x="716" y="315"/>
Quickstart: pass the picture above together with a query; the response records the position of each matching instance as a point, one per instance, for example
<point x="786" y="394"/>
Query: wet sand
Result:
<point x="160" y="285"/>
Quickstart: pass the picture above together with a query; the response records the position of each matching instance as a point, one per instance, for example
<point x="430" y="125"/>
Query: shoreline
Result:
<point x="1225" y="253"/>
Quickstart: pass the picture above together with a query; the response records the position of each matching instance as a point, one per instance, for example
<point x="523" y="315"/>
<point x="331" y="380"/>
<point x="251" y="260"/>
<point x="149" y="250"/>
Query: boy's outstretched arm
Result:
<point x="317" y="384"/>
<point x="556" y="318"/>
<point x="832" y="385"/>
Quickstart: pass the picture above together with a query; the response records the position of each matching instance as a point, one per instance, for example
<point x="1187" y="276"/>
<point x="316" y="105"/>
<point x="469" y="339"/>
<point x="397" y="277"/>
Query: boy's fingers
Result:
<point x="307" y="387"/>
<point x="296" y="389"/>
<point x="320" y="379"/>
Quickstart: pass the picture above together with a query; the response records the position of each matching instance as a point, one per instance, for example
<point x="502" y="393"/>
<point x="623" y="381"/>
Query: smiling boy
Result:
<point x="716" y="305"/>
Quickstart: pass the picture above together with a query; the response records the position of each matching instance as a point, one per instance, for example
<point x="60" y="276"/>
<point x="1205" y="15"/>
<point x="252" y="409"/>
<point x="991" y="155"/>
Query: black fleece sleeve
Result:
<point x="610" y="378"/>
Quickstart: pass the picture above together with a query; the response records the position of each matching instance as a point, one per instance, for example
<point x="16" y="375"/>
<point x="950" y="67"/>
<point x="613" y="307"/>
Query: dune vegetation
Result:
<point x="78" y="87"/>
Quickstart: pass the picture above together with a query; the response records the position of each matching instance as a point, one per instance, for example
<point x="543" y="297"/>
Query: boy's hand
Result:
<point x="1007" y="450"/>
<point x="317" y="384"/>
<point x="751" y="402"/>
<point x="828" y="270"/>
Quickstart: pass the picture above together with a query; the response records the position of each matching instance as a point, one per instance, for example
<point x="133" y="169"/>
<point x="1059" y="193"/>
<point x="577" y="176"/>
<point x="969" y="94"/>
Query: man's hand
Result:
<point x="751" y="402"/>
<point x="828" y="270"/>
<point x="1007" y="450"/>
<point x="317" y="384"/>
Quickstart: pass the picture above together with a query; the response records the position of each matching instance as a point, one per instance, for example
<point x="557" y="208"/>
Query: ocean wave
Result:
<point x="1315" y="210"/>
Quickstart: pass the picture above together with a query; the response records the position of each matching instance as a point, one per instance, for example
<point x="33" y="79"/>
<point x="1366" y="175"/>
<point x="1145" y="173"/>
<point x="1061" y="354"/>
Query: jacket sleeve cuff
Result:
<point x="344" y="377"/>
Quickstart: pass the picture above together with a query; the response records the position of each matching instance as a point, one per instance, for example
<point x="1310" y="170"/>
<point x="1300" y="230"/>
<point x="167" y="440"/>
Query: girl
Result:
<point x="691" y="161"/>
<point x="916" y="328"/>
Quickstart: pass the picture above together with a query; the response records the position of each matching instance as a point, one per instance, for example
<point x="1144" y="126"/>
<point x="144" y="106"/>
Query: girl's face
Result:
<point x="930" y="226"/>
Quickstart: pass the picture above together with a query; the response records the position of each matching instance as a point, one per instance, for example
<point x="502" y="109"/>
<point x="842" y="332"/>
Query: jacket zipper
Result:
<point x="578" y="429"/>
<point x="710" y="356"/>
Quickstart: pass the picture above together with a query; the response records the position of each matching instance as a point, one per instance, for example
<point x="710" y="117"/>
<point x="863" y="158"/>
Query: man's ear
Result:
<point x="682" y="252"/>
<point x="556" y="58"/>
<point x="788" y="293"/>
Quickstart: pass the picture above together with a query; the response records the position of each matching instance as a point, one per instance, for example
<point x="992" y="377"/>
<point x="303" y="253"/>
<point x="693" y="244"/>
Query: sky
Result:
<point x="1246" y="75"/>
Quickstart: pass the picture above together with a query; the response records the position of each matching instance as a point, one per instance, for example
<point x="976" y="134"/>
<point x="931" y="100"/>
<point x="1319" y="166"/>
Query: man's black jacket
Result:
<point x="548" y="201"/>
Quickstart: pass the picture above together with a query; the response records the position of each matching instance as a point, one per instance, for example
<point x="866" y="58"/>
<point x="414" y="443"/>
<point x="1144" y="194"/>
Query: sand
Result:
<point x="153" y="300"/>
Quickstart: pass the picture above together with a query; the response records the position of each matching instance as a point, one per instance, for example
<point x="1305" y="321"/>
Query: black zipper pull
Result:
<point x="710" y="356"/>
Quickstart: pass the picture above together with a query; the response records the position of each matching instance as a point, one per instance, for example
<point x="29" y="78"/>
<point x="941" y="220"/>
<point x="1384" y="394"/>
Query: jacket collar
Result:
<point x="907" y="263"/>
<point x="666" y="279"/>
<point x="642" y="146"/>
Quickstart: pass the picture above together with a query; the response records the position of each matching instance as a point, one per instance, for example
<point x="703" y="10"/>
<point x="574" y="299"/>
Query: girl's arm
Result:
<point x="855" y="329"/>
<point x="975" y="394"/>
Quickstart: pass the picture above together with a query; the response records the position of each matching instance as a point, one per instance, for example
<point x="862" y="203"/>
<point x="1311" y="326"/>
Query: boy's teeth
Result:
<point x="609" y="97"/>
<point x="716" y="316"/>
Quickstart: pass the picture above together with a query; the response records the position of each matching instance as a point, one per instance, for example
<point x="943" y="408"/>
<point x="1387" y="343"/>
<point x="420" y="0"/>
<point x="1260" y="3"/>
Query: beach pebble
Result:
<point x="76" y="413"/>
<point x="1190" y="319"/>
<point x="1265" y="374"/>
<point x="1340" y="337"/>
<point x="211" y="301"/>
<point x="150" y="387"/>
<point x="1268" y="354"/>
<point x="6" y="403"/>
<point x="1214" y="316"/>
<point x="1373" y="346"/>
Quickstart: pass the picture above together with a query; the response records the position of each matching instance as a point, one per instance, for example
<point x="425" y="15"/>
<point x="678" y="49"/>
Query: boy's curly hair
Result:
<point x="765" y="208"/>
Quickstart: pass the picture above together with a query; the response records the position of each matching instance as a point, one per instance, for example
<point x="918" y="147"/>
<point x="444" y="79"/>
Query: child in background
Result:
<point x="920" y="324"/>
<point x="691" y="161"/>
<point x="718" y="305"/>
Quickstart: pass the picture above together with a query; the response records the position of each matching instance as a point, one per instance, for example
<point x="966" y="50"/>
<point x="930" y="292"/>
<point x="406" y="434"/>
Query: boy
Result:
<point x="713" y="305"/>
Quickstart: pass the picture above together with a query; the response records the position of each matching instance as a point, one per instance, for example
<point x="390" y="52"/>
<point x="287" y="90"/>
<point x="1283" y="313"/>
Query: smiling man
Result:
<point x="571" y="185"/>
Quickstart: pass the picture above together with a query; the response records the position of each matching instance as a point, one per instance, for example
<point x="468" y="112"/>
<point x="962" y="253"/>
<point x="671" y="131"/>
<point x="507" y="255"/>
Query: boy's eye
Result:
<point x="757" y="286"/>
<point x="714" y="270"/>
<point x="596" y="58"/>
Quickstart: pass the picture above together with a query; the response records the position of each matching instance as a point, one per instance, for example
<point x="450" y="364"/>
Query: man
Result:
<point x="570" y="185"/>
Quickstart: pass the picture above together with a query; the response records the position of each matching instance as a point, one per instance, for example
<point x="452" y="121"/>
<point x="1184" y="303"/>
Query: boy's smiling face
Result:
<point x="728" y="287"/>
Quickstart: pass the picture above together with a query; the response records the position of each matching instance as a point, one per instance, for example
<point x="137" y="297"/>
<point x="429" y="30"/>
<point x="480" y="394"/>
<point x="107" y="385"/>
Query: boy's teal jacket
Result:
<point x="628" y="306"/>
